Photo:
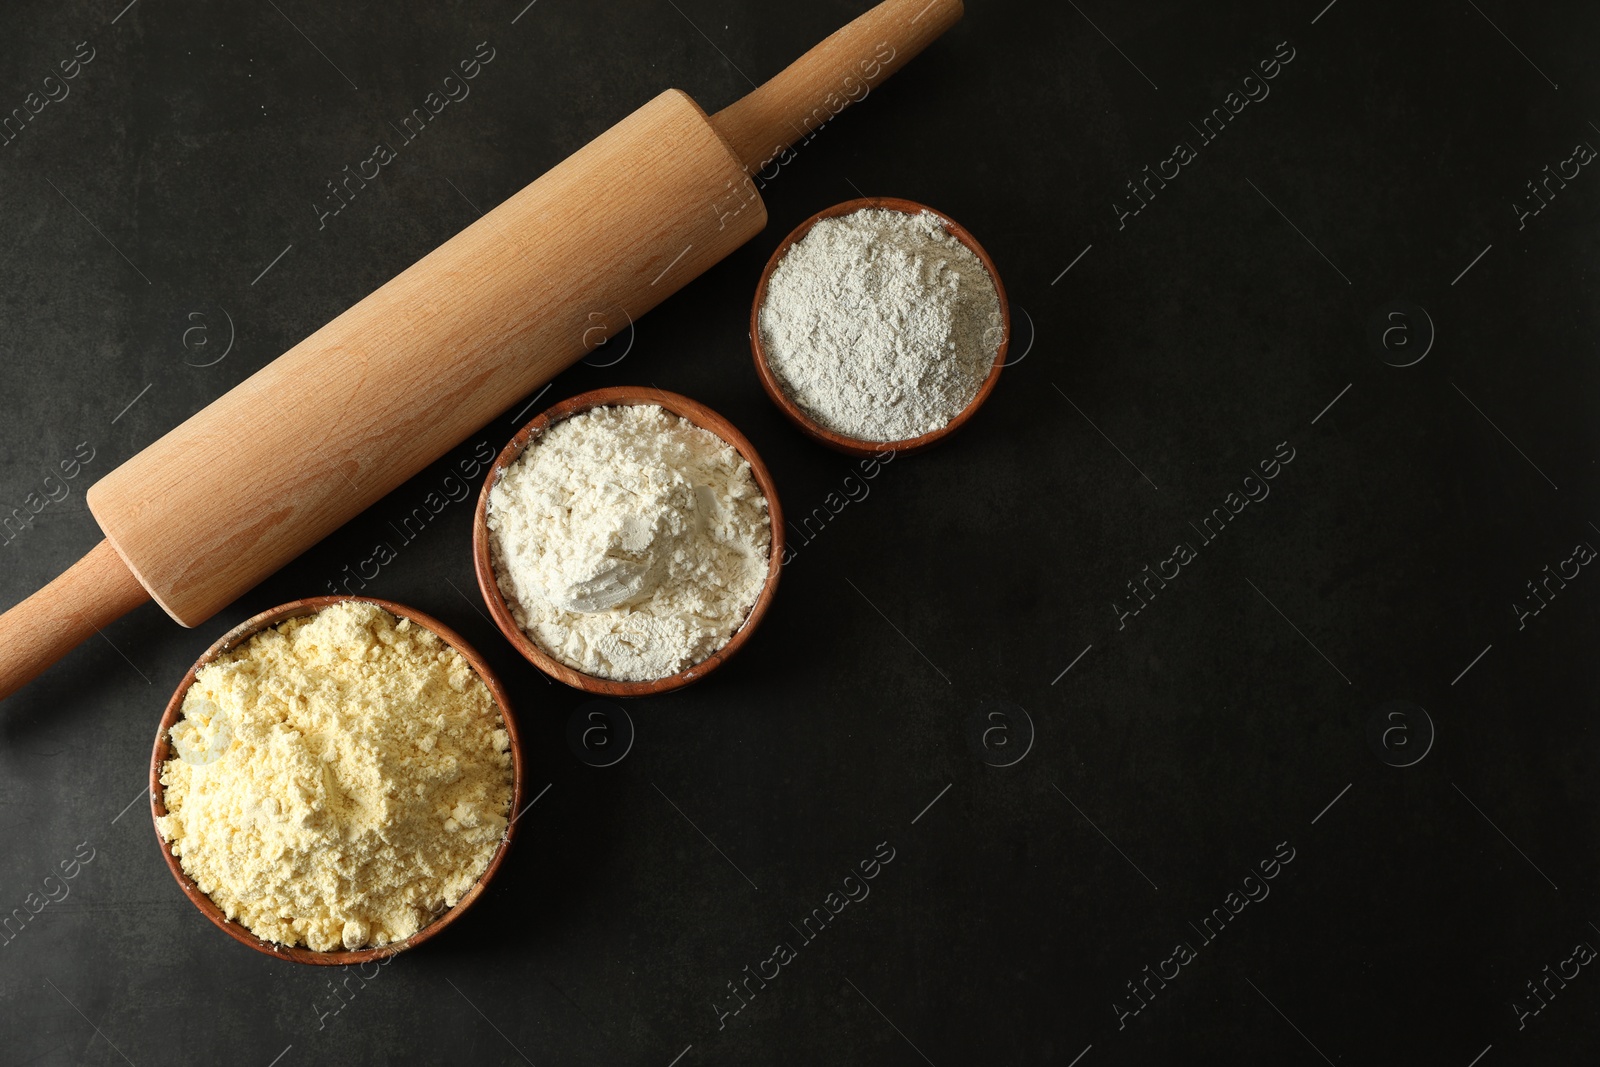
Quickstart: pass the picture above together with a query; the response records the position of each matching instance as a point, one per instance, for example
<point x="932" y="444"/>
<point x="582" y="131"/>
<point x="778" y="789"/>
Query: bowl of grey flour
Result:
<point x="879" y="325"/>
<point x="628" y="541"/>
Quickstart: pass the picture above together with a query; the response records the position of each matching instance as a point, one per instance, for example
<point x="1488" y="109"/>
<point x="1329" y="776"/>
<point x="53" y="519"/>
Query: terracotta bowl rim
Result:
<point x="618" y="395"/>
<point x="162" y="751"/>
<point x="855" y="446"/>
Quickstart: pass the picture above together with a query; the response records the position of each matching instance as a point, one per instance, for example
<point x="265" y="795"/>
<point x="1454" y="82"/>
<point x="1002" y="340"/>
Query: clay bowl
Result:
<point x="163" y="752"/>
<point x="699" y="415"/>
<point x="854" y="446"/>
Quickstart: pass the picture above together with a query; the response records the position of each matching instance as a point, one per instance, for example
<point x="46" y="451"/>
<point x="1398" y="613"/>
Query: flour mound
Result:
<point x="353" y="780"/>
<point x="880" y="324"/>
<point x="629" y="543"/>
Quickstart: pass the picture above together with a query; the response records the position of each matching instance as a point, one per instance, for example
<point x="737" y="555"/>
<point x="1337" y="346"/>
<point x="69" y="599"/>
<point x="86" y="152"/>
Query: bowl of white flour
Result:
<point x="628" y="541"/>
<point x="879" y="324"/>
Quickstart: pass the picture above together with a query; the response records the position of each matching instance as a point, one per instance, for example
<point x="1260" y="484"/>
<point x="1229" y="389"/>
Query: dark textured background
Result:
<point x="1177" y="752"/>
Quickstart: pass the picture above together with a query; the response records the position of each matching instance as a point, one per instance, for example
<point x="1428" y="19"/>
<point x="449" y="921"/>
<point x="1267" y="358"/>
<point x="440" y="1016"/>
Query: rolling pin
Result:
<point x="325" y="430"/>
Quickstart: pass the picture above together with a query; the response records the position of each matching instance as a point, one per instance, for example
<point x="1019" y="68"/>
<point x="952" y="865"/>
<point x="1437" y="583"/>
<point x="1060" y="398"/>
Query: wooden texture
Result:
<point x="341" y="419"/>
<point x="93" y="592"/>
<point x="701" y="416"/>
<point x="162" y="752"/>
<point x="836" y="73"/>
<point x="854" y="446"/>
<point x="369" y="400"/>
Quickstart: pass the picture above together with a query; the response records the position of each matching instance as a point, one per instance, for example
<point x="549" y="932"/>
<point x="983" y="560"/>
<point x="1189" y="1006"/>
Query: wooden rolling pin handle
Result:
<point x="835" y="74"/>
<point x="93" y="592"/>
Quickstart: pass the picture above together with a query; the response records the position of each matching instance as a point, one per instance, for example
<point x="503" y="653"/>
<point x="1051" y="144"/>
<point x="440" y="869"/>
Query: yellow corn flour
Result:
<point x="343" y="778"/>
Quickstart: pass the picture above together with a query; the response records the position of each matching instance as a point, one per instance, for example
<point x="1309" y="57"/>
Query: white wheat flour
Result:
<point x="629" y="543"/>
<point x="880" y="325"/>
<point x="346" y="777"/>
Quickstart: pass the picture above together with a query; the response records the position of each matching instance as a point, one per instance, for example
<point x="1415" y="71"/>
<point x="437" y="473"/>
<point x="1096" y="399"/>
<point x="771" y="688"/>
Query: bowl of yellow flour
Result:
<point x="335" y="780"/>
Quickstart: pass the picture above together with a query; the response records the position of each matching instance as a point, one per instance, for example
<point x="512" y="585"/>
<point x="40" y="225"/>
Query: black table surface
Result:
<point x="1175" y="761"/>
